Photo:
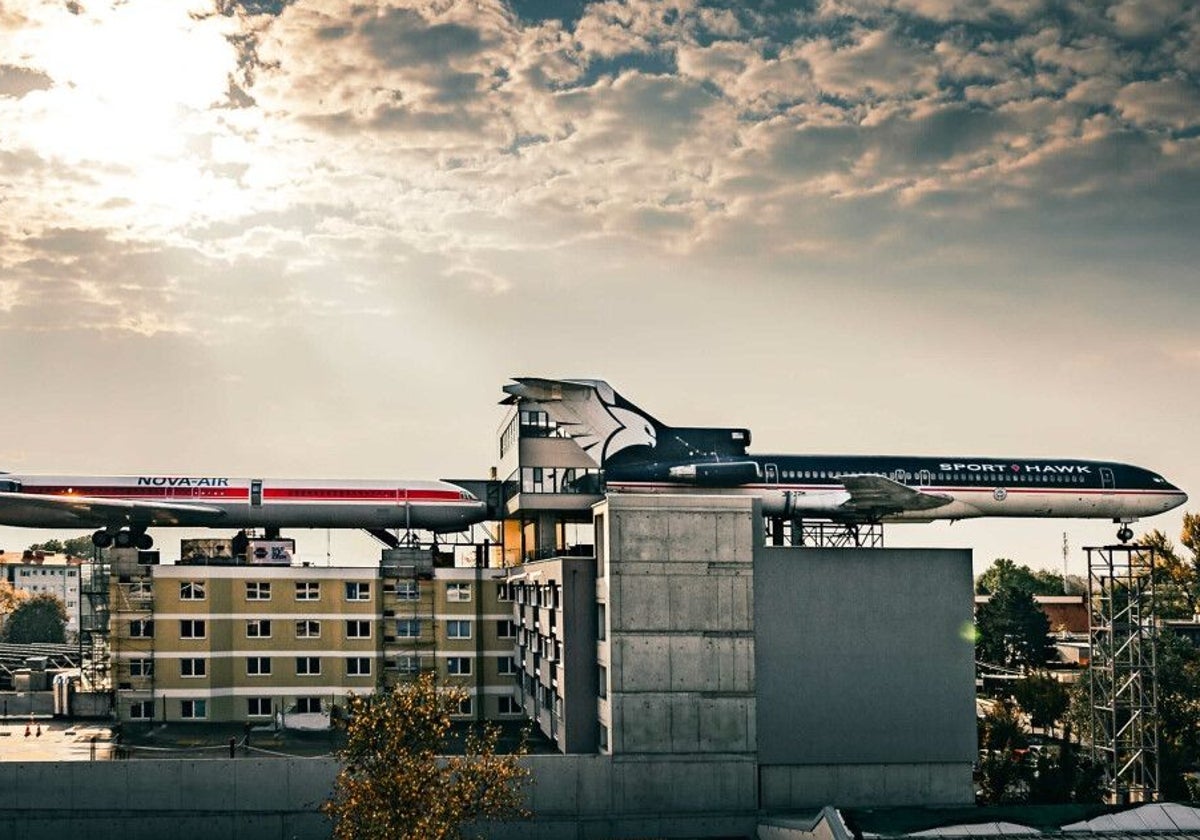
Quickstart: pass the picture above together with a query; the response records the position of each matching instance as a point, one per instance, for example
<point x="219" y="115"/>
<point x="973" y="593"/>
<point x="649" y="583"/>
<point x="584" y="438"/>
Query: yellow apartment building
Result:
<point x="286" y="644"/>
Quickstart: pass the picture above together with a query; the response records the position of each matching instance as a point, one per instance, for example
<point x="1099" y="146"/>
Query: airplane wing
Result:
<point x="89" y="511"/>
<point x="877" y="495"/>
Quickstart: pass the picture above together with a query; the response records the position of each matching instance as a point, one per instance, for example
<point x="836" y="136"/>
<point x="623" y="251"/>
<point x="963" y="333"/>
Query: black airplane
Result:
<point x="639" y="454"/>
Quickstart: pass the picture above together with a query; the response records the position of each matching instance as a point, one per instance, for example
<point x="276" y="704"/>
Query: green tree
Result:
<point x="395" y="784"/>
<point x="10" y="598"/>
<point x="49" y="545"/>
<point x="1177" y="575"/>
<point x="1005" y="574"/>
<point x="73" y="547"/>
<point x="1043" y="698"/>
<point x="42" y="618"/>
<point x="1011" y="630"/>
<point x="1178" y="684"/>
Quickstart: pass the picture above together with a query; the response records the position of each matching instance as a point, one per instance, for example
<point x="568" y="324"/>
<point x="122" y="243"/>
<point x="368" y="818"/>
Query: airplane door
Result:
<point x="1107" y="482"/>
<point x="771" y="473"/>
<point x="256" y="493"/>
<point x="924" y="478"/>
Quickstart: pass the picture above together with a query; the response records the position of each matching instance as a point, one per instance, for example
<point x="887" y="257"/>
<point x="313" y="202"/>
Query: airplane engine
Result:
<point x="790" y="503"/>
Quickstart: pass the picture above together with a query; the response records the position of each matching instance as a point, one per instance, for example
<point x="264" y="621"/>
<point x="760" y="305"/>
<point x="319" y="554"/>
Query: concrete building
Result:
<point x="253" y="643"/>
<point x="734" y="678"/>
<point x="38" y="573"/>
<point x="557" y="617"/>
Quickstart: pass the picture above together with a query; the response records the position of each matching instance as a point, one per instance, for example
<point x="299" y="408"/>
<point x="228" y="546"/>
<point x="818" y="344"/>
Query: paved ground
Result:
<point x="59" y="741"/>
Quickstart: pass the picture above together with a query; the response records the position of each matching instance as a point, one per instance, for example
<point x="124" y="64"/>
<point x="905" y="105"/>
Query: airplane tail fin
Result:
<point x="609" y="427"/>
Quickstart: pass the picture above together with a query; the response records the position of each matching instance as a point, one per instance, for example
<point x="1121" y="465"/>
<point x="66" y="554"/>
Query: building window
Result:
<point x="141" y="590"/>
<point x="408" y="665"/>
<point x="358" y="629"/>
<point x="465" y="706"/>
<point x="456" y="629"/>
<point x="509" y="706"/>
<point x="141" y="710"/>
<point x="506" y="629"/>
<point x="258" y="628"/>
<point x="141" y="667"/>
<point x="408" y="628"/>
<point x="504" y="592"/>
<point x="194" y="709"/>
<point x="308" y="590"/>
<point x="308" y="629"/>
<point x="603" y="738"/>
<point x="193" y="667"/>
<point x="459" y="592"/>
<point x="601" y="622"/>
<point x="258" y="707"/>
<point x="357" y="590"/>
<point x="459" y="666"/>
<point x="191" y="590"/>
<point x="258" y="590"/>
<point x="358" y="666"/>
<point x="602" y="681"/>
<point x="258" y="666"/>
<point x="408" y="590"/>
<point x="308" y="666"/>
<point x="141" y="628"/>
<point x="308" y="705"/>
<point x="506" y="666"/>
<point x="192" y="628"/>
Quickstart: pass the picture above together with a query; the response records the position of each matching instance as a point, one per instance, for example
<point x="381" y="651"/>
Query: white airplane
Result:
<point x="639" y="454"/>
<point x="121" y="508"/>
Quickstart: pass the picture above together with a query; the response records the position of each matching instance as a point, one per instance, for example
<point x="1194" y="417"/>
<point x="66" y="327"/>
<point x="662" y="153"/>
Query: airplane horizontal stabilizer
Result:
<point x="875" y="493"/>
<point x="89" y="509"/>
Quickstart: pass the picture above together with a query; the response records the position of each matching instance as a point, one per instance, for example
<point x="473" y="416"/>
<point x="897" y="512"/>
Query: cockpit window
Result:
<point x="1158" y="480"/>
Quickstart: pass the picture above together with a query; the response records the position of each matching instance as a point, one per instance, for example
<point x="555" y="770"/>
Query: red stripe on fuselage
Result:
<point x="303" y="494"/>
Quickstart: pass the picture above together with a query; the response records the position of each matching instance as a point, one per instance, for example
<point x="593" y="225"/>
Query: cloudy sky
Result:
<point x="315" y="237"/>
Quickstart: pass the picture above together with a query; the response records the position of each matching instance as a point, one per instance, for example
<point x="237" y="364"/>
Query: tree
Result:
<point x="1178" y="683"/>
<point x="1043" y="698"/>
<point x="1011" y="630"/>
<point x="73" y="547"/>
<point x="54" y="546"/>
<point x="41" y="618"/>
<point x="10" y="597"/>
<point x="1004" y="573"/>
<point x="1003" y="776"/>
<point x="1177" y="576"/>
<point x="394" y="784"/>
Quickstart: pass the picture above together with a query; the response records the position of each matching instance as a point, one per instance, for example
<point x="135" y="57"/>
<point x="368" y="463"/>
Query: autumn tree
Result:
<point x="1176" y="574"/>
<point x="395" y="784"/>
<point x="1011" y="630"/>
<point x="41" y="618"/>
<point x="10" y="598"/>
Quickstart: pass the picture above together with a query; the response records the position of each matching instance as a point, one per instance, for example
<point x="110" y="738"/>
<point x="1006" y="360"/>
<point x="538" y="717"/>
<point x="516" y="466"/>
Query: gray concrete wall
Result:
<point x="574" y="796"/>
<point x="865" y="676"/>
<point x="182" y="800"/>
<point x="680" y="585"/>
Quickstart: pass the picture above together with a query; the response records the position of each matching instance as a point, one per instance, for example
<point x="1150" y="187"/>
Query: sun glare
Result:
<point x="132" y="88"/>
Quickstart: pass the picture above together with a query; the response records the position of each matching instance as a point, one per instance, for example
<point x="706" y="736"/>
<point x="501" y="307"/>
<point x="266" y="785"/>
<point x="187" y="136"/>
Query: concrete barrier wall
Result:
<point x="574" y="796"/>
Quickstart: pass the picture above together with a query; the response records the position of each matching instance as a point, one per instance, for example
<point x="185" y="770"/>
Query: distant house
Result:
<point x="1067" y="613"/>
<point x="42" y="572"/>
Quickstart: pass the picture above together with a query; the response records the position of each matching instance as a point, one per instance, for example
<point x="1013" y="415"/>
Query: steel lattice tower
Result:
<point x="1122" y="626"/>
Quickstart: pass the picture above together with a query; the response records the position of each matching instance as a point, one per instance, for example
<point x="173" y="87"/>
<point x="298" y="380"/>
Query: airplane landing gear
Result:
<point x="124" y="538"/>
<point x="1124" y="533"/>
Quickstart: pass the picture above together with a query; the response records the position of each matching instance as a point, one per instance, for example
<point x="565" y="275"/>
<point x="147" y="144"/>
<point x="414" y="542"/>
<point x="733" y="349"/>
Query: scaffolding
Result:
<point x="94" y="653"/>
<point x="809" y="533"/>
<point x="1122" y="627"/>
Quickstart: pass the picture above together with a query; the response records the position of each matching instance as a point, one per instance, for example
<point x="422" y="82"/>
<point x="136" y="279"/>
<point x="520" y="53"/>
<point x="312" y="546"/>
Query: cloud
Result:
<point x="1165" y="103"/>
<point x="18" y="81"/>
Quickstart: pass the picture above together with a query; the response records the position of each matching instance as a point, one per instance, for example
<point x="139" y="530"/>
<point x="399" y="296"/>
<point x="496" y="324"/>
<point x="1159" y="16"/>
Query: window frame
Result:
<point x="192" y="624"/>
<point x="307" y="623"/>
<point x="260" y="624"/>
<point x="189" y="588"/>
<point x="261" y="590"/>
<point x="308" y="590"/>
<point x="361" y="588"/>
<point x="308" y="661"/>
<point x="258" y="662"/>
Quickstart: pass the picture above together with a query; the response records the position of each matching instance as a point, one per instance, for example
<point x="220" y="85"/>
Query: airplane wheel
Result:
<point x="102" y="539"/>
<point x="1125" y="534"/>
<point x="124" y="539"/>
<point x="144" y="542"/>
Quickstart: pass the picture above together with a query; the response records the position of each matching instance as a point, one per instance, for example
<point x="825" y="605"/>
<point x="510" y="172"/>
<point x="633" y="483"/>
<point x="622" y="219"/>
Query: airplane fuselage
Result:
<point x="799" y="485"/>
<point x="239" y="502"/>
